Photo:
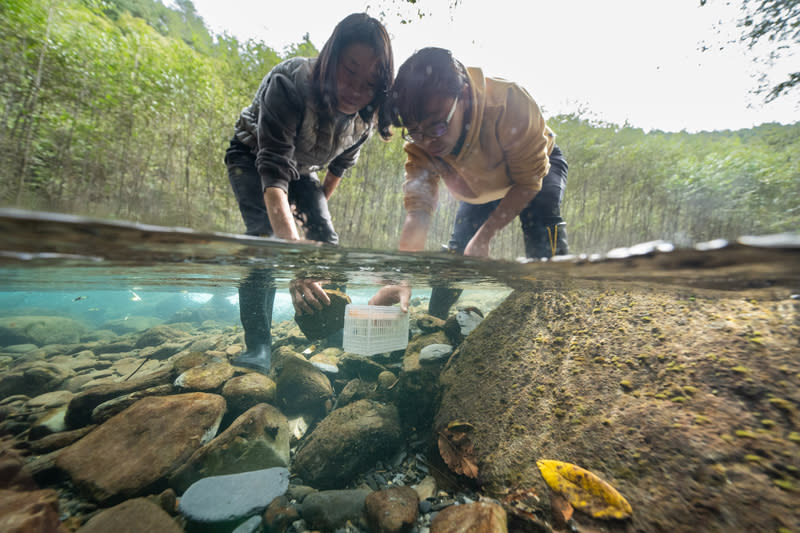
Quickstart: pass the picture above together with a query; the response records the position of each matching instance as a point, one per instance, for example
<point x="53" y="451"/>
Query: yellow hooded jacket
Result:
<point x="507" y="143"/>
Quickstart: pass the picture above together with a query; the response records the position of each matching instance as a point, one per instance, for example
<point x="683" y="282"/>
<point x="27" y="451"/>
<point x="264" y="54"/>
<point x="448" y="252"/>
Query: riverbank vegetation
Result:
<point x="123" y="109"/>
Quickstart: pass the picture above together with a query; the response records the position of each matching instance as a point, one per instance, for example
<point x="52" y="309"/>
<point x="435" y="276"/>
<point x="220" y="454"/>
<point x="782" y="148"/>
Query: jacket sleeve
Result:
<point x="280" y="113"/>
<point x="348" y="158"/>
<point x="525" y="139"/>
<point x="421" y="186"/>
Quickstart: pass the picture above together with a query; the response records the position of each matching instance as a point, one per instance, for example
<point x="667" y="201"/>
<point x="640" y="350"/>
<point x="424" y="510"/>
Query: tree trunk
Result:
<point x="32" y="104"/>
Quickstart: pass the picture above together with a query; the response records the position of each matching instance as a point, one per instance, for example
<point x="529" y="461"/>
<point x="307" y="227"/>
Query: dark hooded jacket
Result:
<point x="289" y="131"/>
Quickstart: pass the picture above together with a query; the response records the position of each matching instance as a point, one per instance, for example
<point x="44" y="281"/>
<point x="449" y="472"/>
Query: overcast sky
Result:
<point x="619" y="60"/>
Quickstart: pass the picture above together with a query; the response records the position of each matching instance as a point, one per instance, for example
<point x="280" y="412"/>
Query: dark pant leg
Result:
<point x="246" y="185"/>
<point x="311" y="206"/>
<point x="256" y="290"/>
<point x="469" y="217"/>
<point x="544" y="212"/>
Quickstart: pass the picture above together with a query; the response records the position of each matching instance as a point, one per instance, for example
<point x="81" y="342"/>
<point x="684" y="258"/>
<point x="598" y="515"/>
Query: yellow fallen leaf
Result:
<point x="584" y="490"/>
<point x="460" y="426"/>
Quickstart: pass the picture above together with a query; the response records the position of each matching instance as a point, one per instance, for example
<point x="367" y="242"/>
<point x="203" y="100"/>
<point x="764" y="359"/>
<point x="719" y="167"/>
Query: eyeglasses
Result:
<point x="435" y="131"/>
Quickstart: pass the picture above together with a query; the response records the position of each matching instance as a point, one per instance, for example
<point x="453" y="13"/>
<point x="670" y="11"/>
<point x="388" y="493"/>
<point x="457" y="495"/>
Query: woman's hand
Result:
<point x="391" y="294"/>
<point x="308" y="296"/>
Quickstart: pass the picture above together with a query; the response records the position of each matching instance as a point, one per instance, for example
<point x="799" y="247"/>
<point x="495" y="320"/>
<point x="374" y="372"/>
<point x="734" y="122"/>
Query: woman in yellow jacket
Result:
<point x="486" y="140"/>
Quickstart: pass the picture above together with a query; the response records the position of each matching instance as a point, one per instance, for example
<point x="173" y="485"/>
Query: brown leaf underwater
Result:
<point x="584" y="490"/>
<point x="458" y="452"/>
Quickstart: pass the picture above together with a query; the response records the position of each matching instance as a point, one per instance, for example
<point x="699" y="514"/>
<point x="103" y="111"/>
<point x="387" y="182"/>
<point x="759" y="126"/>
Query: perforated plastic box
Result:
<point x="371" y="329"/>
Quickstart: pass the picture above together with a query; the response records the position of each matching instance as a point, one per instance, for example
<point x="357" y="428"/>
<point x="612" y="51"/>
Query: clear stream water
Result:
<point x="99" y="272"/>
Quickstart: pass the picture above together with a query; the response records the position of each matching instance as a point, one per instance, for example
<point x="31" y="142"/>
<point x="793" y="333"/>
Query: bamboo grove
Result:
<point x="123" y="109"/>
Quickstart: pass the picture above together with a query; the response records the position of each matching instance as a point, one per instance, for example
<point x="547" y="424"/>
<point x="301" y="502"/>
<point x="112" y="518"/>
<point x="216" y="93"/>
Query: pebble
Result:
<point x="233" y="496"/>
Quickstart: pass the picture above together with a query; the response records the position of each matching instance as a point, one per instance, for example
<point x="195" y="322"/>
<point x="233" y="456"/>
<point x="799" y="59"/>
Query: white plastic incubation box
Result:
<point x="371" y="329"/>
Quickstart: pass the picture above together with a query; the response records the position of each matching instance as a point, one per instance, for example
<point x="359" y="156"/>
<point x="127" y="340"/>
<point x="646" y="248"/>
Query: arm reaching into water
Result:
<point x="512" y="204"/>
<point x="412" y="239"/>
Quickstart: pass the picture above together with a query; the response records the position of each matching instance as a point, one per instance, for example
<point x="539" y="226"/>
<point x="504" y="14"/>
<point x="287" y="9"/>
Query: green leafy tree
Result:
<point x="778" y="23"/>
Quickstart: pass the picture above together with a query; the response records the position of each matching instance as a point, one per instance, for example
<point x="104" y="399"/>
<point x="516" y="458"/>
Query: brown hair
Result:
<point x="430" y="72"/>
<point x="358" y="28"/>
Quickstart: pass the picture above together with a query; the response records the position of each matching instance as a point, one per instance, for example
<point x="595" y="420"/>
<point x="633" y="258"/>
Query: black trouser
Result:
<point x="543" y="211"/>
<point x="305" y="194"/>
<point x="257" y="290"/>
<point x="542" y="227"/>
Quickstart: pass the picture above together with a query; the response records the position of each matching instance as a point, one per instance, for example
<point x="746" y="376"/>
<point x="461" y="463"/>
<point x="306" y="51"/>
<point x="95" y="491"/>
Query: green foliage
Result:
<point x="124" y="108"/>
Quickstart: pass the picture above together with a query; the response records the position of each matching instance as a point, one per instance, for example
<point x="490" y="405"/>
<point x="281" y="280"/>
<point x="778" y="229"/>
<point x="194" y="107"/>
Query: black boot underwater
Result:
<point x="442" y="299"/>
<point x="255" y="311"/>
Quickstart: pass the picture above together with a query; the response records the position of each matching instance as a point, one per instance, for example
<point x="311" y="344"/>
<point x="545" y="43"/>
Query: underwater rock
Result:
<point x="33" y="379"/>
<point x="56" y="441"/>
<point x="434" y="353"/>
<point x="327" y="320"/>
<point x="392" y="510"/>
<point x="13" y="475"/>
<point x="50" y="400"/>
<point x="118" y="346"/>
<point x="132" y="516"/>
<point x="328" y="356"/>
<point x="258" y="439"/>
<point x="417" y="386"/>
<point x="357" y="366"/>
<point x="479" y="517"/>
<point x="18" y="349"/>
<point x="205" y="377"/>
<point x="331" y="509"/>
<point x="79" y="411"/>
<point x="355" y="389"/>
<point x="386" y="380"/>
<point x="158" y="335"/>
<point x="51" y="422"/>
<point x="109" y="408"/>
<point x="131" y="324"/>
<point x="429" y="324"/>
<point x="141" y="445"/>
<point x="30" y="511"/>
<point x="189" y="359"/>
<point x="281" y="355"/>
<point x="460" y="325"/>
<point x="348" y="442"/>
<point x="301" y="388"/>
<point x="280" y="514"/>
<point x="40" y="330"/>
<point x="638" y="389"/>
<point x="245" y="391"/>
<point x="99" y="335"/>
<point x="162" y="351"/>
<point x="223" y="499"/>
<point x="426" y="488"/>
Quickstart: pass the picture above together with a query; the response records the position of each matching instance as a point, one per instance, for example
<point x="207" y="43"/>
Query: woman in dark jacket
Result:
<point x="308" y="114"/>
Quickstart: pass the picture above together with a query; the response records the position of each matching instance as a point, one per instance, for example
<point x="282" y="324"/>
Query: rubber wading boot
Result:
<point x="255" y="311"/>
<point x="547" y="241"/>
<point x="442" y="299"/>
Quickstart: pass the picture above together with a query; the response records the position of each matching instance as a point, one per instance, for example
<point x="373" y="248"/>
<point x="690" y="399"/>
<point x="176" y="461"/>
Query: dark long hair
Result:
<point x="358" y="28"/>
<point x="429" y="72"/>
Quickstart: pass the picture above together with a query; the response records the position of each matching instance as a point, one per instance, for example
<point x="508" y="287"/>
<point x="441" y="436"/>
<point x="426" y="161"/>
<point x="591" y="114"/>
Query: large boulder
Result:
<point x="257" y="440"/>
<point x="686" y="404"/>
<point x="40" y="330"/>
<point x="81" y="406"/>
<point x="348" y="442"/>
<point x="301" y="388"/>
<point x="135" y="451"/>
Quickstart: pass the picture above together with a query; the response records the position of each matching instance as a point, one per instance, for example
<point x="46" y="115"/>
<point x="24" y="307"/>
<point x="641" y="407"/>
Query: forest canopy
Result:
<point x="123" y="109"/>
